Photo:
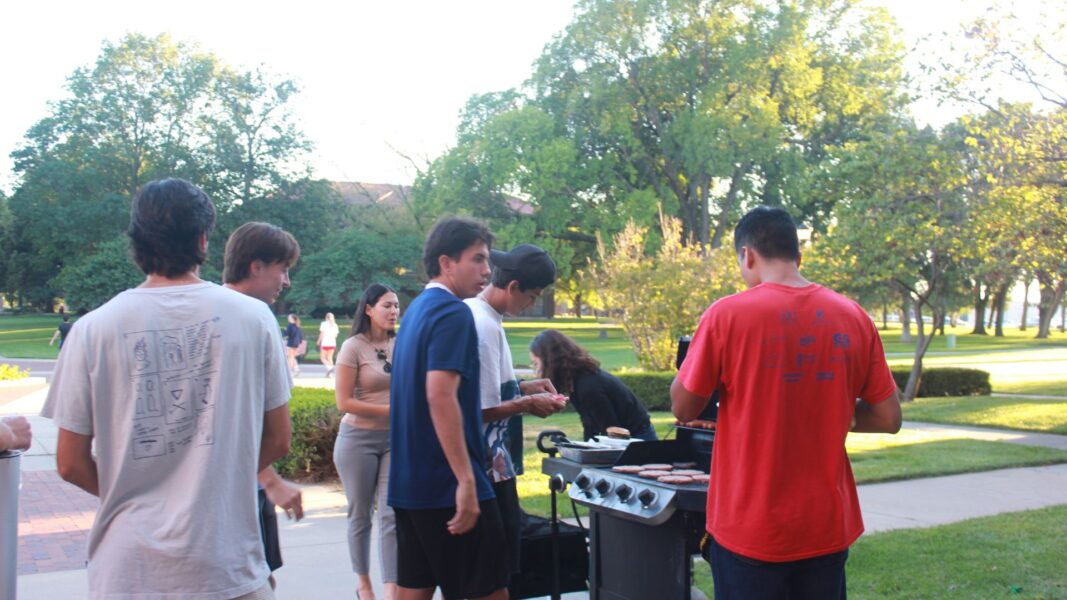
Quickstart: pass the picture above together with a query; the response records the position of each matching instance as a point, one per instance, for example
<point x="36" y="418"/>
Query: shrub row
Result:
<point x="315" y="423"/>
<point x="316" y="420"/>
<point x="654" y="389"/>
<point x="947" y="381"/>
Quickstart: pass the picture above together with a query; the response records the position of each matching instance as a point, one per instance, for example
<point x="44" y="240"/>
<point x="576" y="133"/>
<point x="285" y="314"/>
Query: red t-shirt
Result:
<point x="789" y="364"/>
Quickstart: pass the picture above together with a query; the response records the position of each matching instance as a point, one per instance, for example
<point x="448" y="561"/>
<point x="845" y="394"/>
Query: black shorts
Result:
<point x="507" y="500"/>
<point x="471" y="565"/>
<point x="268" y="529"/>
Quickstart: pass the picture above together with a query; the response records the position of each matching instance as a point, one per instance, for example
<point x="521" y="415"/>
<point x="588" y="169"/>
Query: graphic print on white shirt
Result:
<point x="174" y="378"/>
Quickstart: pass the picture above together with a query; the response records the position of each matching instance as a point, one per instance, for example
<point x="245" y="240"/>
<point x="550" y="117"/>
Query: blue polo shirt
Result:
<point x="437" y="334"/>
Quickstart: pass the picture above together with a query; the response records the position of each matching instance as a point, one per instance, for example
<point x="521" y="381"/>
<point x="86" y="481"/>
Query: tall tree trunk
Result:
<point x="1000" y="300"/>
<point x="1026" y="303"/>
<point x="1063" y="316"/>
<point x="548" y="303"/>
<point x="1051" y="297"/>
<point x="578" y="305"/>
<point x="905" y="318"/>
<point x="911" y="390"/>
<point x="980" y="302"/>
<point x="728" y="205"/>
<point x="885" y="317"/>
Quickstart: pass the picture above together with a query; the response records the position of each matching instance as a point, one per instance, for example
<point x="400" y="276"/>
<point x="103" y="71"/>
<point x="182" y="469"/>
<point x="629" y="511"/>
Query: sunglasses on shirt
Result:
<point x="388" y="368"/>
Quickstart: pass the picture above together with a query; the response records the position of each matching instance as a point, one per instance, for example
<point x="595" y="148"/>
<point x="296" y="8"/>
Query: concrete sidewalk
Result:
<point x="316" y="553"/>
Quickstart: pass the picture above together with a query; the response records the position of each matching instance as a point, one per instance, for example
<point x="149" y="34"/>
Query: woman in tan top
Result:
<point x="361" y="453"/>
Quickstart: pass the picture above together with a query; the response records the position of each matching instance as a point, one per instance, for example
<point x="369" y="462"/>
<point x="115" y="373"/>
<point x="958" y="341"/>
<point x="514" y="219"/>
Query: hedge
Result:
<point x="315" y="422"/>
<point x="654" y="389"/>
<point x="947" y="381"/>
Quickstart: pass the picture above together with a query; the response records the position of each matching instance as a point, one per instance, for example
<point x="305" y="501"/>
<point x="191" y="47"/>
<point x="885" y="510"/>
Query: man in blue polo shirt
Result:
<point x="448" y="526"/>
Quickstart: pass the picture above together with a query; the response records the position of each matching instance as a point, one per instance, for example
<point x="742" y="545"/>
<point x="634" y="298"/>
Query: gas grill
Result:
<point x="642" y="533"/>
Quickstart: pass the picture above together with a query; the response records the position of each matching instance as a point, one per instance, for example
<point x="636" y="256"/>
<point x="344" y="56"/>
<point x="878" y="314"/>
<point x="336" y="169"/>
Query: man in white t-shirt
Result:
<point x="518" y="278"/>
<point x="182" y="385"/>
<point x="256" y="263"/>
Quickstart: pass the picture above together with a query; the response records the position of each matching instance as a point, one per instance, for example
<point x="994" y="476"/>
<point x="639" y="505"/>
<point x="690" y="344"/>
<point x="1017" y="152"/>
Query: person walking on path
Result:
<point x="789" y="359"/>
<point x="61" y="332"/>
<point x="256" y="263"/>
<point x="294" y="341"/>
<point x="519" y="277"/>
<point x="327" y="342"/>
<point x="181" y="414"/>
<point x="448" y="528"/>
<point x="361" y="452"/>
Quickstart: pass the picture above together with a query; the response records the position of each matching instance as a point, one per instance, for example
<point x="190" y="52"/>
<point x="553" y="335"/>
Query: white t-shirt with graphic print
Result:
<point x="497" y="384"/>
<point x="172" y="383"/>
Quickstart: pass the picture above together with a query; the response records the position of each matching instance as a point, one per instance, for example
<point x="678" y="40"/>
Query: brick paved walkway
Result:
<point x="54" y="522"/>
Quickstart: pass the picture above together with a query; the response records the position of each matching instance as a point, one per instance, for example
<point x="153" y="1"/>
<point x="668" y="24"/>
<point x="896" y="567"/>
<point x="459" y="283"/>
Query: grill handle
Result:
<point x="555" y="436"/>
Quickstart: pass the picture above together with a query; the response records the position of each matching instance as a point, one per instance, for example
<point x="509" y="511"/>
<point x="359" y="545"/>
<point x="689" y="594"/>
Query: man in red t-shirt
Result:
<point x="797" y="367"/>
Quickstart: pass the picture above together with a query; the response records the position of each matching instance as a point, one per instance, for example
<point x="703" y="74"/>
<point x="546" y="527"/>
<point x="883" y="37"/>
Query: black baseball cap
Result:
<point x="528" y="264"/>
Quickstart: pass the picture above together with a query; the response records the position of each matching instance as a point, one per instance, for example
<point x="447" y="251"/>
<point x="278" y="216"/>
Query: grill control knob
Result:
<point x="624" y="493"/>
<point x="603" y="487"/>
<point x="646" y="497"/>
<point x="583" y="481"/>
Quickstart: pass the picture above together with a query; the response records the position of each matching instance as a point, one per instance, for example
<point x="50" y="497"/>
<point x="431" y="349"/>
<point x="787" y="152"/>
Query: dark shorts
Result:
<point x="471" y="565"/>
<point x="507" y="500"/>
<point x="268" y="529"/>
<point x="738" y="577"/>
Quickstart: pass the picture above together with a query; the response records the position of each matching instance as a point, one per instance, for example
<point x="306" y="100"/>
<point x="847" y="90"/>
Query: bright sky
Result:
<point x="374" y="74"/>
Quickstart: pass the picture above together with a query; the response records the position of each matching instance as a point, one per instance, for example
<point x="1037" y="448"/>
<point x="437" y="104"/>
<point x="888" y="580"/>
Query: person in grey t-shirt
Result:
<point x="182" y="414"/>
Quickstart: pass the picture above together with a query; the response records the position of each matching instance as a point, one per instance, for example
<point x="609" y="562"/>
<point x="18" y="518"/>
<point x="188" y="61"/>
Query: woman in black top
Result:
<point x="601" y="400"/>
<point x="294" y="335"/>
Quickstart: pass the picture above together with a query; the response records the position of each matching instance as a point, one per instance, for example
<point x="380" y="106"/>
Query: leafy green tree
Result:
<point x="254" y="146"/>
<point x="308" y="209"/>
<point x="1005" y="46"/>
<point x="905" y="221"/>
<point x="147" y="108"/>
<point x="351" y="260"/>
<point x="660" y="296"/>
<point x="97" y="276"/>
<point x="712" y="106"/>
<point x="699" y="107"/>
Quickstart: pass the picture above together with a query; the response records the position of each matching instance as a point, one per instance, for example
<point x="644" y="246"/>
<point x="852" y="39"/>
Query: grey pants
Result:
<point x="362" y="460"/>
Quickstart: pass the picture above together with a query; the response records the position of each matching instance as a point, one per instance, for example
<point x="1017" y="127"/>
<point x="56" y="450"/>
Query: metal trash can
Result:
<point x="10" y="481"/>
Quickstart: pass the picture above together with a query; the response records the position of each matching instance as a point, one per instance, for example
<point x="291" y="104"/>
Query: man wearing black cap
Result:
<point x="519" y="277"/>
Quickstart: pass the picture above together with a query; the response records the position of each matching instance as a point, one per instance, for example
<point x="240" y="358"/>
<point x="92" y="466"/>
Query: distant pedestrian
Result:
<point x="361" y="453"/>
<point x="327" y="342"/>
<point x="294" y="342"/>
<point x="61" y="332"/>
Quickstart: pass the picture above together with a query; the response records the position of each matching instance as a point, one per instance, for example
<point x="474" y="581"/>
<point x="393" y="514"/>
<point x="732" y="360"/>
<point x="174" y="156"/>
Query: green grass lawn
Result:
<point x="1049" y="416"/>
<point x="1050" y="387"/>
<point x="26" y="336"/>
<point x="875" y="457"/>
<point x="966" y="342"/>
<point x="1015" y="555"/>
<point x="607" y="342"/>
